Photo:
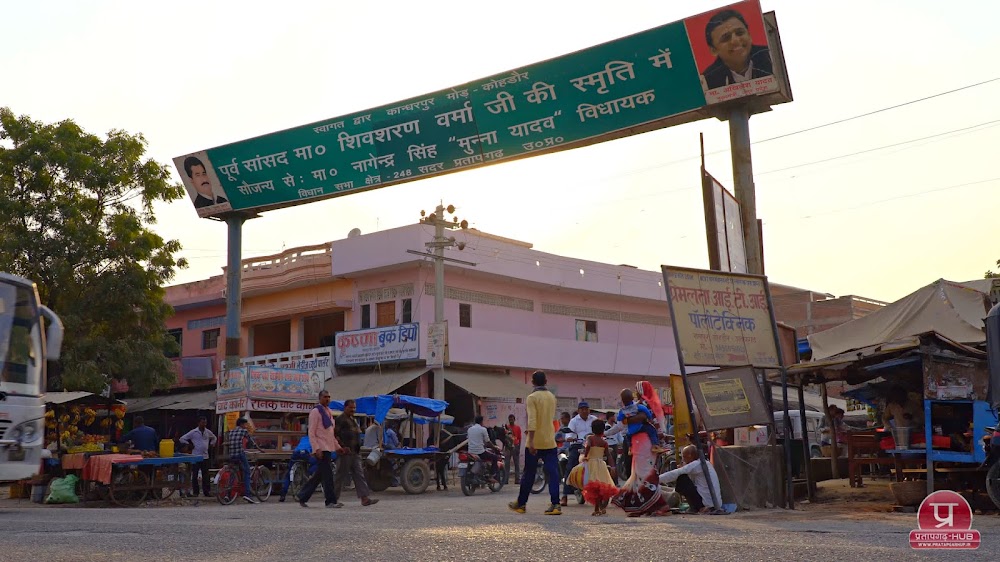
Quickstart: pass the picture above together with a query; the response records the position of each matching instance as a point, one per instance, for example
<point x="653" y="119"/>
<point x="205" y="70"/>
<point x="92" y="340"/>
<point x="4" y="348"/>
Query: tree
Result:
<point x="74" y="216"/>
<point x="991" y="274"/>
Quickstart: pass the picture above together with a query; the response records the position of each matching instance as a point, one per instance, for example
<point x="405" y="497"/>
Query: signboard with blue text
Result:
<point x="388" y="344"/>
<point x="633" y="84"/>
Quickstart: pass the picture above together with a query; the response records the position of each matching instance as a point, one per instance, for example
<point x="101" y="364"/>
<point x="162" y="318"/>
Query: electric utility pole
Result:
<point x="437" y="245"/>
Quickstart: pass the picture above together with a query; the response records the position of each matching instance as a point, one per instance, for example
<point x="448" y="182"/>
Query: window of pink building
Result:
<point x="210" y="338"/>
<point x="586" y="330"/>
<point x="465" y="315"/>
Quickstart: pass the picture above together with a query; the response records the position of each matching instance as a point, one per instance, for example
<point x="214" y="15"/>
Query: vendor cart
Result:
<point x="129" y="480"/>
<point x="410" y="466"/>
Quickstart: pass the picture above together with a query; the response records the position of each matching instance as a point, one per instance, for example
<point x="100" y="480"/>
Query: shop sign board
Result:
<point x="721" y="319"/>
<point x="245" y="404"/>
<point x="272" y="383"/>
<point x="653" y="79"/>
<point x="389" y="344"/>
<point x="266" y="383"/>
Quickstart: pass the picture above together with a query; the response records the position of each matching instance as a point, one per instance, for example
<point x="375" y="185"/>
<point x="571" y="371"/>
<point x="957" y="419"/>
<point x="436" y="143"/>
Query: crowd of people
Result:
<point x="596" y="446"/>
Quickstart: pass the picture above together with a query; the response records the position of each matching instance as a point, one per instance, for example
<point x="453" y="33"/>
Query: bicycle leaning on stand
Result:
<point x="230" y="482"/>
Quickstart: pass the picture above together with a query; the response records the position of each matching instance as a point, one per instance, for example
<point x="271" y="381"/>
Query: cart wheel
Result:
<point x="261" y="481"/>
<point x="378" y="479"/>
<point x="228" y="486"/>
<point x="993" y="483"/>
<point x="416" y="476"/>
<point x="129" y="488"/>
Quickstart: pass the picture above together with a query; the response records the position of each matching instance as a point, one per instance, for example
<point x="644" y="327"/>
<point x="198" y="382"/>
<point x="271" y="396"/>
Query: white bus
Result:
<point x="24" y="348"/>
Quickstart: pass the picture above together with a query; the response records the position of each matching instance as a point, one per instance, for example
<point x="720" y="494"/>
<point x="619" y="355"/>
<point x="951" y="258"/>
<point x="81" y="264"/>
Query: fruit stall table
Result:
<point x="128" y="480"/>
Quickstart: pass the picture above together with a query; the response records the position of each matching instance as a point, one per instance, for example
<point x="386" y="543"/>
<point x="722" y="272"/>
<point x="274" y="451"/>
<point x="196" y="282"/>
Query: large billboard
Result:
<point x="653" y="79"/>
<point x="721" y="319"/>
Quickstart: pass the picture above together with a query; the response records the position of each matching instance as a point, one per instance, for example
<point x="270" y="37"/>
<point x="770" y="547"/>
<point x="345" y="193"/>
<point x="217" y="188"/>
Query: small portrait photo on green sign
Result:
<point x="731" y="51"/>
<point x="202" y="184"/>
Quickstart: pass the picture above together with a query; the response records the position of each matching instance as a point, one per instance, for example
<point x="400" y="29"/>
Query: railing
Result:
<point x="303" y="255"/>
<point x="317" y="358"/>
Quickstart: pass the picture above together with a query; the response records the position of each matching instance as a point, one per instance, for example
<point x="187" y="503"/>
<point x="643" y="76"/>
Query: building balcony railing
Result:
<point x="291" y="268"/>
<point x="315" y="359"/>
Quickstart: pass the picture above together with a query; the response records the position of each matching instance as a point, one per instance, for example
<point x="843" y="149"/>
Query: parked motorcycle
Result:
<point x="565" y="449"/>
<point x="474" y="473"/>
<point x="991" y="445"/>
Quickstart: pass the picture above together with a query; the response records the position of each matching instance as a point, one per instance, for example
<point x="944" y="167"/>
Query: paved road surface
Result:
<point x="449" y="526"/>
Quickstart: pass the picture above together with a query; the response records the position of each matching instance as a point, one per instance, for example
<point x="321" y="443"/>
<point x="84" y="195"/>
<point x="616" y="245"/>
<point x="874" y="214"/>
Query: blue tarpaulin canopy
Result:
<point x="379" y="406"/>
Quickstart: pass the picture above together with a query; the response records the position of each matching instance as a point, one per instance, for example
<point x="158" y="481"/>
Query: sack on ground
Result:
<point x="63" y="490"/>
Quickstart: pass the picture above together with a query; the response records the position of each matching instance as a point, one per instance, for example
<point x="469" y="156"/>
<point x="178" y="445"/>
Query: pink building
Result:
<point x="594" y="328"/>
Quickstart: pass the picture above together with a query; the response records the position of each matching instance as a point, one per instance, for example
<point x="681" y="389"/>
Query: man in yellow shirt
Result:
<point x="539" y="443"/>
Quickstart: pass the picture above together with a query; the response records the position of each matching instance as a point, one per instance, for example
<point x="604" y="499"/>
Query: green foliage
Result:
<point x="74" y="216"/>
<point x="992" y="274"/>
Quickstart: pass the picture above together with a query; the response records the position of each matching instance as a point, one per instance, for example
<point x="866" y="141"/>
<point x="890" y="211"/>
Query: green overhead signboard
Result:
<point x="628" y="85"/>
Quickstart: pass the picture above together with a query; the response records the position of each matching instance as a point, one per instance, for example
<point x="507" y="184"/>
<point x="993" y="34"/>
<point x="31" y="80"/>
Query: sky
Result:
<point x="876" y="206"/>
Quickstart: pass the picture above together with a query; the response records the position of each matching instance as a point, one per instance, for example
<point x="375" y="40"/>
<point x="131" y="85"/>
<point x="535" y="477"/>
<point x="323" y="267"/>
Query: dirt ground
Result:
<point x="837" y="499"/>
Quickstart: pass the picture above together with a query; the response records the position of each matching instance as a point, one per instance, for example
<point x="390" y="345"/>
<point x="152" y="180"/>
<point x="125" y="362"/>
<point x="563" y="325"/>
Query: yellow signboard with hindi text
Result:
<point x="721" y="319"/>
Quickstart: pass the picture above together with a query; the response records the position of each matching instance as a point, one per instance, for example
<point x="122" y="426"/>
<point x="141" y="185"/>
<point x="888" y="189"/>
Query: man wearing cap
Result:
<point x="581" y="426"/>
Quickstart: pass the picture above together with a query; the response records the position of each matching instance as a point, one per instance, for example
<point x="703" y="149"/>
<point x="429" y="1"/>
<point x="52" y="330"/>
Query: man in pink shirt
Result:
<point x="324" y="445"/>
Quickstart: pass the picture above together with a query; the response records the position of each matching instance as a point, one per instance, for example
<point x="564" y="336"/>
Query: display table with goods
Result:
<point x="83" y="428"/>
<point x="129" y="479"/>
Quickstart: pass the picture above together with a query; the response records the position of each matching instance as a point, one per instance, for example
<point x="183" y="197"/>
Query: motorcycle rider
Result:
<point x="581" y="425"/>
<point x="480" y="445"/>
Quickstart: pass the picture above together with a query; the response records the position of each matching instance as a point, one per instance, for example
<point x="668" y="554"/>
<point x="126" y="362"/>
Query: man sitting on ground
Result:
<point x="691" y="483"/>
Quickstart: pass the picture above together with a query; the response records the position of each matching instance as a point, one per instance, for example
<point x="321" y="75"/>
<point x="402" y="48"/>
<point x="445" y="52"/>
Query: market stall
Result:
<point x="79" y="425"/>
<point x="930" y="396"/>
<point x="276" y="401"/>
<point x="128" y="480"/>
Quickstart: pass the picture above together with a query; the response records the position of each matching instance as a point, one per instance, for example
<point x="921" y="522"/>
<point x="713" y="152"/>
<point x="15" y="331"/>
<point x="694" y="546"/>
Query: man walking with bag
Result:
<point x="323" y="439"/>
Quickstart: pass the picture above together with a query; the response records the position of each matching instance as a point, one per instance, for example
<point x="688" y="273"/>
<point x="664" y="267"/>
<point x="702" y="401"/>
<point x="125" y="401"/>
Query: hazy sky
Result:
<point x="194" y="75"/>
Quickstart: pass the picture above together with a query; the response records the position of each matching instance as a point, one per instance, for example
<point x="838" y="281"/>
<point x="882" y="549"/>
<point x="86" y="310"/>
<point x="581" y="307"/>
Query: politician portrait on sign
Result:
<point x="730" y="47"/>
<point x="202" y="184"/>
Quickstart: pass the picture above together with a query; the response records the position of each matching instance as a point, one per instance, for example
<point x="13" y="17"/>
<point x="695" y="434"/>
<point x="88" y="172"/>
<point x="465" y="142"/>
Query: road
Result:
<point x="449" y="526"/>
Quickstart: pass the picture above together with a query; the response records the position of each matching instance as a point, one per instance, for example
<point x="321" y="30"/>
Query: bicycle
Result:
<point x="230" y="484"/>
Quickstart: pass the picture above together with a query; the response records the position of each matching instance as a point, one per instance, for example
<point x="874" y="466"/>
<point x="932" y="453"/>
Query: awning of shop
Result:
<point x="194" y="401"/>
<point x="370" y="384"/>
<point x="151" y="403"/>
<point x="64" y="397"/>
<point x="76" y="396"/>
<point x="487" y="385"/>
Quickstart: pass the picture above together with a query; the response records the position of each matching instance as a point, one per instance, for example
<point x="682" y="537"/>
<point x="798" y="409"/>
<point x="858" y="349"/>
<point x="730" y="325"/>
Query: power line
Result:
<point x="898" y="197"/>
<point x="813" y="128"/>
<point x="883" y="147"/>
<point x="897" y="106"/>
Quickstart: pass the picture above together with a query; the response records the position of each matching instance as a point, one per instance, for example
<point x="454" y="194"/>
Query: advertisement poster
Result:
<point x="389" y="344"/>
<point x="270" y="383"/>
<point x="232" y="383"/>
<point x="725" y="397"/>
<point x="731" y="52"/>
<point x="721" y="319"/>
